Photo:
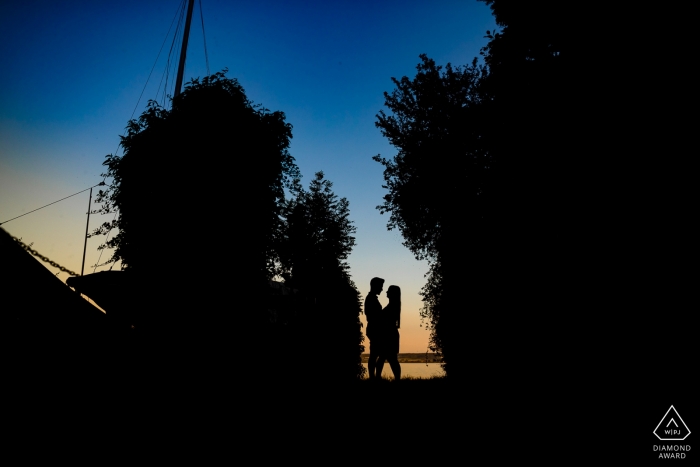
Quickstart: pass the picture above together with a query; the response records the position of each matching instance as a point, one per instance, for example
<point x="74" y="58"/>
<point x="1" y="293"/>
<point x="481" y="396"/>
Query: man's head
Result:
<point x="376" y="285"/>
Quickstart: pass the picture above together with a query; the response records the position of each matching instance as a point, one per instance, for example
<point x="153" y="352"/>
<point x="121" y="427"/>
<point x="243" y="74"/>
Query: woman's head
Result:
<point x="394" y="292"/>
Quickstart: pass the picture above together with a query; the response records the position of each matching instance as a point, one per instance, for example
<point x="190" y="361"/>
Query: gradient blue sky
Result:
<point x="72" y="73"/>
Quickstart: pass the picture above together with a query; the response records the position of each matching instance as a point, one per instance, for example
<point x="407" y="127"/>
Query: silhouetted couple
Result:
<point x="383" y="329"/>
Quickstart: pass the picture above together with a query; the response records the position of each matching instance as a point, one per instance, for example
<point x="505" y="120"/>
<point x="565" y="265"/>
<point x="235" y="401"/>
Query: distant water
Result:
<point x="414" y="370"/>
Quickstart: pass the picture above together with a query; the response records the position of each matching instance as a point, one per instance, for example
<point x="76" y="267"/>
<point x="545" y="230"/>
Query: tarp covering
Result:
<point x="32" y="294"/>
<point x="48" y="327"/>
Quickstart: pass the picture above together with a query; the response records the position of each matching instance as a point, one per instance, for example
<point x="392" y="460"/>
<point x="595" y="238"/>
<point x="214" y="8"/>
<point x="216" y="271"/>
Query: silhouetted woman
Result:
<point x="390" y="322"/>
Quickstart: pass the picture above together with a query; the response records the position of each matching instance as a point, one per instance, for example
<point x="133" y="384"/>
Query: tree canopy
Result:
<point x="317" y="236"/>
<point x="214" y="157"/>
<point x="204" y="222"/>
<point x="441" y="167"/>
<point x="199" y="191"/>
<point x="486" y="182"/>
<point x="438" y="182"/>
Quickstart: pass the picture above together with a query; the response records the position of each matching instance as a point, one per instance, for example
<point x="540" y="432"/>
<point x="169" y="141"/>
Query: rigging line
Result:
<point x="154" y="66"/>
<point x="148" y="79"/>
<point x="170" y="53"/>
<point x="181" y="37"/>
<point x="107" y="238"/>
<point x="177" y="40"/>
<point x="179" y="11"/>
<point x="166" y="72"/>
<point x="206" y="55"/>
<point x="86" y="189"/>
<point x="172" y="65"/>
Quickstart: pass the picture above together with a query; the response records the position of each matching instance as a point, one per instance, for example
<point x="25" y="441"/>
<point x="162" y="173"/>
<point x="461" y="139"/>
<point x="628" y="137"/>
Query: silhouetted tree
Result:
<point x="441" y="165"/>
<point x="214" y="156"/>
<point x="317" y="238"/>
<point x="509" y="226"/>
<point x="536" y="131"/>
<point x="318" y="234"/>
<point x="438" y="182"/>
<point x="551" y="199"/>
<point x="199" y="191"/>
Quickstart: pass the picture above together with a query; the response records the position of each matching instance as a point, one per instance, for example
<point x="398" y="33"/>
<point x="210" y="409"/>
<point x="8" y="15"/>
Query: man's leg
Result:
<point x="380" y="366"/>
<point x="372" y="362"/>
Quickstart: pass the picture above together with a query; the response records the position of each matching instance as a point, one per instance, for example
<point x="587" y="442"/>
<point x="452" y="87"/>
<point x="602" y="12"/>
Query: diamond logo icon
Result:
<point x="671" y="427"/>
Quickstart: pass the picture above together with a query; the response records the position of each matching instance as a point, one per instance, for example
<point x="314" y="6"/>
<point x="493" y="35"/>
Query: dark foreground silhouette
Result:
<point x="50" y="332"/>
<point x="193" y="304"/>
<point x="66" y="360"/>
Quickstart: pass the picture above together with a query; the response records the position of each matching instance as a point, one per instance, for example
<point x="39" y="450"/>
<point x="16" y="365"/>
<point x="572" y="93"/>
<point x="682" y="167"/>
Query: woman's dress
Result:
<point x="390" y="332"/>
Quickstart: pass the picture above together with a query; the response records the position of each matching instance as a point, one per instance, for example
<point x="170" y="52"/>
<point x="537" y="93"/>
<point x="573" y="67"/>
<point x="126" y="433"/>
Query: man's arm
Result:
<point x="371" y="306"/>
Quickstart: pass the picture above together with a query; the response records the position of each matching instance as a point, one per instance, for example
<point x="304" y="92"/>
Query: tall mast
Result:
<point x="82" y="270"/>
<point x="183" y="52"/>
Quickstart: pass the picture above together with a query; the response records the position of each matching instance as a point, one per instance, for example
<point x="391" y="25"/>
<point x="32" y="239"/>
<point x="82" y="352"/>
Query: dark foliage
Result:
<point x="441" y="165"/>
<point x="216" y="166"/>
<point x="492" y="180"/>
<point x="317" y="234"/>
<point x="532" y="262"/>
<point x="438" y="181"/>
<point x="199" y="191"/>
<point x="213" y="158"/>
<point x="317" y="238"/>
<point x="590" y="191"/>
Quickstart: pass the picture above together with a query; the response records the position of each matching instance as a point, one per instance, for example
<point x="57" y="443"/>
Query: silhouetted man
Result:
<point x="372" y="310"/>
